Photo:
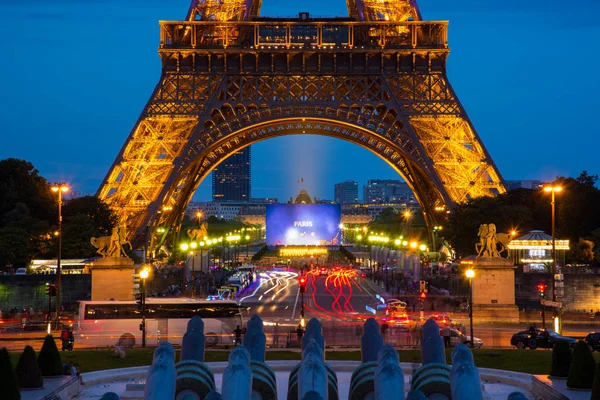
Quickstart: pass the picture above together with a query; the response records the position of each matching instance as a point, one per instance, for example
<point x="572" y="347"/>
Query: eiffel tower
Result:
<point x="231" y="78"/>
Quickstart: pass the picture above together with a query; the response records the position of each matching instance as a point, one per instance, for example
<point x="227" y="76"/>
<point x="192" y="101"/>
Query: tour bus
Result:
<point x="105" y="323"/>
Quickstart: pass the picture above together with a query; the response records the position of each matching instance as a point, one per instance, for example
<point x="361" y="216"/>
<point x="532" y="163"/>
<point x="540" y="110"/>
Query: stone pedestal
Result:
<point x="493" y="289"/>
<point x="112" y="278"/>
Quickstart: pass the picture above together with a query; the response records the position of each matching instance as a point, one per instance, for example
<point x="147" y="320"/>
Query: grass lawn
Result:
<point x="529" y="361"/>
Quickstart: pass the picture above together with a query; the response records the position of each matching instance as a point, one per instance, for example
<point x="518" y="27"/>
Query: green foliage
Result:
<point x="98" y="213"/>
<point x="561" y="359"/>
<point x="524" y="210"/>
<point x="49" y="358"/>
<point x="8" y="379"/>
<point x="583" y="367"/>
<point x="84" y="218"/>
<point x="28" y="370"/>
<point x="596" y="385"/>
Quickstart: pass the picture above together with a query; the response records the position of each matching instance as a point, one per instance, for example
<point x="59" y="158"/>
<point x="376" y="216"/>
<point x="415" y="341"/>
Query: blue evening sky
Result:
<point x="77" y="73"/>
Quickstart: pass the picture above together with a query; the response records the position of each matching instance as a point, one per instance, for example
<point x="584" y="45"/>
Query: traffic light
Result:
<point x="302" y="282"/>
<point x="423" y="296"/>
<point x="542" y="289"/>
<point x="139" y="300"/>
<point x="51" y="290"/>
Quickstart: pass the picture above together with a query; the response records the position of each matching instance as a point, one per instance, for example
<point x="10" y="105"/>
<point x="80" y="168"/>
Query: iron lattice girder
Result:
<point x="224" y="86"/>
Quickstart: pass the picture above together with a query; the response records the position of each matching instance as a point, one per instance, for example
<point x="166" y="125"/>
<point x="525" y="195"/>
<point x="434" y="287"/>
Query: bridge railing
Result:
<point x="303" y="35"/>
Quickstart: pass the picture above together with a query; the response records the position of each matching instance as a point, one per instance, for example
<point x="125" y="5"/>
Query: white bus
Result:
<point x="104" y="323"/>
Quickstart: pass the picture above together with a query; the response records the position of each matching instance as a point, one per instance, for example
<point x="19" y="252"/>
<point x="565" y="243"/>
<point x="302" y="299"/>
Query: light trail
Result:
<point x="280" y="281"/>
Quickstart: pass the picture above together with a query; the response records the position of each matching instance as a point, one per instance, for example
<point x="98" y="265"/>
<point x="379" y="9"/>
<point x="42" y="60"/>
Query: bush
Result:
<point x="596" y="385"/>
<point x="8" y="379"/>
<point x="583" y="367"/>
<point x="28" y="370"/>
<point x="49" y="358"/>
<point x="561" y="359"/>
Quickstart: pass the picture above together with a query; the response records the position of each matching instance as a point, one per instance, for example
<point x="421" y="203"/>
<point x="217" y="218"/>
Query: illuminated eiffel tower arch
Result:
<point x="231" y="78"/>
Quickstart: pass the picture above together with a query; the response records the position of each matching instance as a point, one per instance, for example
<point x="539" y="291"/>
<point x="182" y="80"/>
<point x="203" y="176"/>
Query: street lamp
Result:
<point x="554" y="189"/>
<point x="143" y="275"/>
<point x="471" y="274"/>
<point x="59" y="188"/>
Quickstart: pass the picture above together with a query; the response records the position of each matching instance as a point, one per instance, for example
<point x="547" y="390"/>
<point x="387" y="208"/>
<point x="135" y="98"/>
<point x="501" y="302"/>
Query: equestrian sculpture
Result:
<point x="112" y="246"/>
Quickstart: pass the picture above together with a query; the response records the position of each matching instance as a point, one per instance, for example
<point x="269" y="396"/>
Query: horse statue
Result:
<point x="112" y="246"/>
<point x="198" y="234"/>
<point x="491" y="244"/>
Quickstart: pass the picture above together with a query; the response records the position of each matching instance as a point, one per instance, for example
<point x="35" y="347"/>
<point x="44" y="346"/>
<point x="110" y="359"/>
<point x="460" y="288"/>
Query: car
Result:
<point x="323" y="271"/>
<point x="593" y="340"/>
<point x="544" y="339"/>
<point x="457" y="337"/>
<point x="397" y="320"/>
<point x="441" y="319"/>
<point x="21" y="271"/>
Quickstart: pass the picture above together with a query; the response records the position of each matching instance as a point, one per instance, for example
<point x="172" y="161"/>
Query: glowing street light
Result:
<point x="144" y="273"/>
<point x="184" y="246"/>
<point x="554" y="189"/>
<point x="397" y="242"/>
<point x="470" y="275"/>
<point x="422" y="247"/>
<point x="59" y="188"/>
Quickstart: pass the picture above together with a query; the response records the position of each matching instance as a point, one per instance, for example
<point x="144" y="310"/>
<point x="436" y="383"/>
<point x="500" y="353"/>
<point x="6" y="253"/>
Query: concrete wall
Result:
<point x="20" y="291"/>
<point x="582" y="291"/>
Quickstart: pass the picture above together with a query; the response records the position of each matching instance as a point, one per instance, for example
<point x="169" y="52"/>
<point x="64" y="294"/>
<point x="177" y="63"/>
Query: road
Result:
<point x="341" y="300"/>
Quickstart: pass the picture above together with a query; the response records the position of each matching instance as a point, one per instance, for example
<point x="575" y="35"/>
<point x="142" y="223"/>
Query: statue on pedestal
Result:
<point x="112" y="246"/>
<point x="491" y="244"/>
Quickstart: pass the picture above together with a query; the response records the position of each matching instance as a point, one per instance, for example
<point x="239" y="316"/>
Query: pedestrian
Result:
<point x="238" y="336"/>
<point x="446" y="336"/>
<point x="276" y="335"/>
<point x="532" y="338"/>
<point x="419" y="334"/>
<point x="300" y="333"/>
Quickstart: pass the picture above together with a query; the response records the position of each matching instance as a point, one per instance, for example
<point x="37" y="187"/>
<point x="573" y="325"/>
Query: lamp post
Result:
<point x="471" y="274"/>
<point x="144" y="276"/>
<point x="554" y="189"/>
<point x="247" y="242"/>
<point x="59" y="188"/>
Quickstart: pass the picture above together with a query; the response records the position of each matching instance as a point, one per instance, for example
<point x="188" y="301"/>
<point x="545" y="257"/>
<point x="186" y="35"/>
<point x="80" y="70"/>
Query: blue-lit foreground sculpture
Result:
<point x="248" y="377"/>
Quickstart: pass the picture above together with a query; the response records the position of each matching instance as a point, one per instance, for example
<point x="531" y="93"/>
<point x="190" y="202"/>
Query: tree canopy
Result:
<point x="29" y="217"/>
<point x="523" y="210"/>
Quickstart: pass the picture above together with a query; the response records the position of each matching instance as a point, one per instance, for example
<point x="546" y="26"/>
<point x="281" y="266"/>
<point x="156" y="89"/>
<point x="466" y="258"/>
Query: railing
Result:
<point x="303" y="35"/>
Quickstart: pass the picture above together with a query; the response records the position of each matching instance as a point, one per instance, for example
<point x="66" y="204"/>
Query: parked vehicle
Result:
<point x="441" y="319"/>
<point x="457" y="337"/>
<point x="593" y="340"/>
<point x="544" y="339"/>
<point x="21" y="271"/>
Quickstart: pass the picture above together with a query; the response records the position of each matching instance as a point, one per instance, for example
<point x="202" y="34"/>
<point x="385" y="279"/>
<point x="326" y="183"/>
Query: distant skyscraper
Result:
<point x="346" y="192"/>
<point x="378" y="191"/>
<point x="231" y="179"/>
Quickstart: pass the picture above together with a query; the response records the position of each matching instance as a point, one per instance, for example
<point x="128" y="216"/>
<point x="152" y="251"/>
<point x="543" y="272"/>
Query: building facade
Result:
<point x="380" y="191"/>
<point x="524" y="184"/>
<point x="346" y="192"/>
<point x="231" y="179"/>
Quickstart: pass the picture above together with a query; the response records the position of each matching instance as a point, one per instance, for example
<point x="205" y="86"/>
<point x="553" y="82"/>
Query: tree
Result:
<point x="583" y="367"/>
<point x="14" y="246"/>
<point x="97" y="211"/>
<point x="20" y="182"/>
<point x="28" y="370"/>
<point x="49" y="358"/>
<point x="8" y="378"/>
<point x="84" y="218"/>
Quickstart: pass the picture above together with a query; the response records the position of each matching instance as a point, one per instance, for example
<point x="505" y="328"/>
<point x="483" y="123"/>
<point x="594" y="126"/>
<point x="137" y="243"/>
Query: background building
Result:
<point x="524" y="184"/>
<point x="379" y="191"/>
<point x="231" y="179"/>
<point x="346" y="192"/>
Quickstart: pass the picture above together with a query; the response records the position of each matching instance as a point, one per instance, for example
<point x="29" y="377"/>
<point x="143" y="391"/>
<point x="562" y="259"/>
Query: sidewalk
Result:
<point x="62" y="387"/>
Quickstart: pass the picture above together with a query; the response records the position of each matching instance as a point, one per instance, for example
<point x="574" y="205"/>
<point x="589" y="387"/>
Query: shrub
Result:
<point x="596" y="385"/>
<point x="561" y="359"/>
<point x="49" y="358"/>
<point x="583" y="367"/>
<point x="28" y="370"/>
<point x="8" y="379"/>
